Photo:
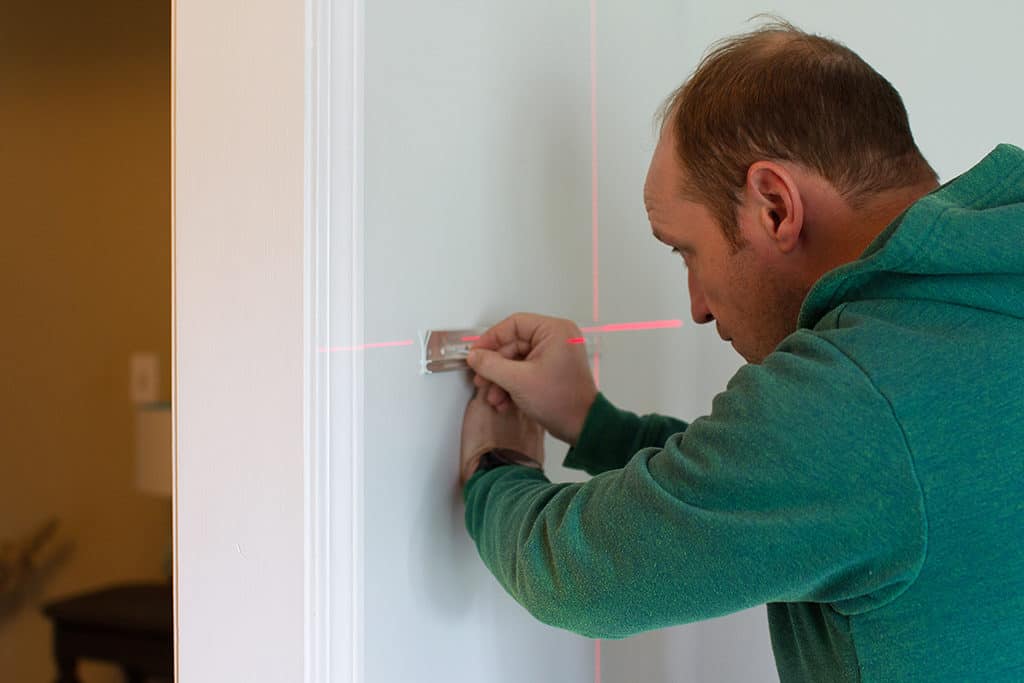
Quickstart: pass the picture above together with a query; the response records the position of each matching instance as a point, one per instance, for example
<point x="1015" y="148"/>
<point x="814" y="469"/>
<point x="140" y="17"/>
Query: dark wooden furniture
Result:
<point x="130" y="625"/>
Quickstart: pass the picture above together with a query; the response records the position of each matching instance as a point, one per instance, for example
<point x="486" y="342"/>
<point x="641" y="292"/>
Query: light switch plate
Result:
<point x="144" y="380"/>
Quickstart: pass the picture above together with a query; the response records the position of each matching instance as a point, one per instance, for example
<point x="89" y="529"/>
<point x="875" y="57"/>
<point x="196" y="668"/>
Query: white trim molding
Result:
<point x="267" y="238"/>
<point x="334" y="198"/>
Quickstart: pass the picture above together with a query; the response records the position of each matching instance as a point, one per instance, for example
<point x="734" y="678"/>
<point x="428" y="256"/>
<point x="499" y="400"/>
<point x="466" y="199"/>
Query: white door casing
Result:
<point x="257" y="578"/>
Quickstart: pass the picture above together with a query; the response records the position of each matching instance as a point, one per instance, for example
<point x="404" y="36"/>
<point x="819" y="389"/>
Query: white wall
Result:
<point x="240" y="340"/>
<point x="465" y="177"/>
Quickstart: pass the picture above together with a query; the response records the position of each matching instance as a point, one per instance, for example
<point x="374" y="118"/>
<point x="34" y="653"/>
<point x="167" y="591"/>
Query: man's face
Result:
<point x="743" y="291"/>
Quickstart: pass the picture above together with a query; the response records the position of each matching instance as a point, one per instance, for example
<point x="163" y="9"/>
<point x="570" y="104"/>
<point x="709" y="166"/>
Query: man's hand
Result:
<point x="520" y="439"/>
<point x="527" y="361"/>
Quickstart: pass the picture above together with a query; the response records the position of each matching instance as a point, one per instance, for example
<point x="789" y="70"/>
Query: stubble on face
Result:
<point x="768" y="307"/>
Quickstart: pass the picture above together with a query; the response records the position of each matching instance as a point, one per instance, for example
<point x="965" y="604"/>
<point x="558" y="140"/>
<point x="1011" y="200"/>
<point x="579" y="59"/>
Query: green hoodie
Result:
<point x="866" y="480"/>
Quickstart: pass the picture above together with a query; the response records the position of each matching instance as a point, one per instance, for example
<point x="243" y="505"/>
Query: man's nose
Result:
<point x="698" y="307"/>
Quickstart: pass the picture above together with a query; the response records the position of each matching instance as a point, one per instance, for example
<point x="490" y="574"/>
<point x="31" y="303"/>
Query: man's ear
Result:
<point x="779" y="206"/>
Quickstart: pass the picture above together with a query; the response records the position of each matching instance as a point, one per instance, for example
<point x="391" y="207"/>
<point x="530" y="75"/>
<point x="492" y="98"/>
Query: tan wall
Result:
<point x="84" y="281"/>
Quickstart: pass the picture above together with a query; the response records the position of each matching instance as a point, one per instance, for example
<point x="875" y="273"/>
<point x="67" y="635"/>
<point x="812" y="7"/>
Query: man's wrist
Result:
<point x="581" y="419"/>
<point x="497" y="457"/>
<point x="488" y="461"/>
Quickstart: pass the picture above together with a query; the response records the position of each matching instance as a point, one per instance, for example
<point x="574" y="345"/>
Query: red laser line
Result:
<point x="593" y="157"/>
<point x="593" y="231"/>
<point x="611" y="327"/>
<point x="632" y="327"/>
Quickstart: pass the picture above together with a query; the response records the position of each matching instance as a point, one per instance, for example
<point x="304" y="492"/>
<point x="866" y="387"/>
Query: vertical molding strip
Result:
<point x="316" y="304"/>
<point x="334" y="201"/>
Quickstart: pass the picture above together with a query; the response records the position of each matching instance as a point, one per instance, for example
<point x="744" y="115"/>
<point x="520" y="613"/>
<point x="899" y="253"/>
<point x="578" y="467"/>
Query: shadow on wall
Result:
<point x="445" y="557"/>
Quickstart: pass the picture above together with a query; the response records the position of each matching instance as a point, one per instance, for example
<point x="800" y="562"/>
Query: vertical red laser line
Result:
<point x="593" y="231"/>
<point x="593" y="156"/>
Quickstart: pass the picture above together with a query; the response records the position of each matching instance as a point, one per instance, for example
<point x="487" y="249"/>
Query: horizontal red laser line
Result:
<point x="361" y="347"/>
<point x="616" y="327"/>
<point x="612" y="327"/>
<point x="632" y="327"/>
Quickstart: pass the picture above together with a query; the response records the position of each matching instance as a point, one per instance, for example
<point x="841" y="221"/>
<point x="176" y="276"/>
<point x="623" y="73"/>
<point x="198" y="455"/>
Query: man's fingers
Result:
<point x="491" y="392"/>
<point x="515" y="350"/>
<point x="518" y="327"/>
<point x="497" y="396"/>
<point x="494" y="368"/>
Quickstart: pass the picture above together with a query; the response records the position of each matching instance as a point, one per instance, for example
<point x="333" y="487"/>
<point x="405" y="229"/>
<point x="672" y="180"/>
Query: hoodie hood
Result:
<point x="962" y="244"/>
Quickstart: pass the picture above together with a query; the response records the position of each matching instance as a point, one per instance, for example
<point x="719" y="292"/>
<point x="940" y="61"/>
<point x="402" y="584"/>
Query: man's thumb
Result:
<point x="494" y="367"/>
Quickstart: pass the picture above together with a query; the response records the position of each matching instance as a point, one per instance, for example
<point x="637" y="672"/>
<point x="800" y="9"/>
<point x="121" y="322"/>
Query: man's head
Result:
<point x="779" y="159"/>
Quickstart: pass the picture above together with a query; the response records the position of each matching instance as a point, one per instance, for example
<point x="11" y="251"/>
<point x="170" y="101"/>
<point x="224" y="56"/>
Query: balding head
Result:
<point x="781" y="94"/>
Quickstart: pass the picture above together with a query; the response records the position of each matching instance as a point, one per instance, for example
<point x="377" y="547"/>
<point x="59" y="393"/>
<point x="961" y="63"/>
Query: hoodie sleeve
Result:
<point x="611" y="436"/>
<point x="797" y="487"/>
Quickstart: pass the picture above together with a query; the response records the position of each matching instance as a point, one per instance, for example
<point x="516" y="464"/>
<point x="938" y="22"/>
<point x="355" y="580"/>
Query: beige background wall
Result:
<point x="84" y="281"/>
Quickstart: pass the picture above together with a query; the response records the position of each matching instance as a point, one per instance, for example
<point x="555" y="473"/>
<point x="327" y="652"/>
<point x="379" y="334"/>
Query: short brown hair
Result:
<point x="782" y="94"/>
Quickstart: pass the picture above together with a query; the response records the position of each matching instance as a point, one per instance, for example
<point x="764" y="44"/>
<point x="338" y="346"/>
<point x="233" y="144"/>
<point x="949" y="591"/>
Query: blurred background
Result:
<point x="85" y="334"/>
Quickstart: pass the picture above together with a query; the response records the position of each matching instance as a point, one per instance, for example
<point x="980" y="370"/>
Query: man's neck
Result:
<point x="886" y="207"/>
<point x="844" y="232"/>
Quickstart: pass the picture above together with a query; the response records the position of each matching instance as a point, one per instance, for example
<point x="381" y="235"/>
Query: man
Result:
<point x="863" y="474"/>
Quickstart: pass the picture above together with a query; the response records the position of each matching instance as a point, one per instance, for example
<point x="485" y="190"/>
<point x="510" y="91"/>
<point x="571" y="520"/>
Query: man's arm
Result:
<point x="536" y="363"/>
<point x="797" y="487"/>
<point x="611" y="436"/>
